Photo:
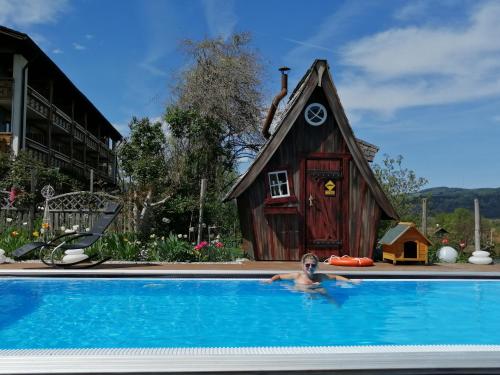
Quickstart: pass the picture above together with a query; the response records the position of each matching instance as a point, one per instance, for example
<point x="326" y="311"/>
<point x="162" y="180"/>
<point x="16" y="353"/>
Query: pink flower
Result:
<point x="201" y="245"/>
<point x="12" y="195"/>
<point x="219" y="245"/>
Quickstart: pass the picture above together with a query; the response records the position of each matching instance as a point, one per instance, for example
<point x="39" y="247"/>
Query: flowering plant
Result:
<point x="212" y="252"/>
<point x="201" y="245"/>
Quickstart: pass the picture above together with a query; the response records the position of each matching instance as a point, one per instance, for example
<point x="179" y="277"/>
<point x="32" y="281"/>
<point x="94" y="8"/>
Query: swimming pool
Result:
<point x="43" y="313"/>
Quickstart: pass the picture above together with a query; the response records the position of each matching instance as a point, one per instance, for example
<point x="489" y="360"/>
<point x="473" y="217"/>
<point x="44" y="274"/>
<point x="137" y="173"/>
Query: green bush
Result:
<point x="174" y="249"/>
<point x="12" y="238"/>
<point x="128" y="247"/>
<point x="119" y="246"/>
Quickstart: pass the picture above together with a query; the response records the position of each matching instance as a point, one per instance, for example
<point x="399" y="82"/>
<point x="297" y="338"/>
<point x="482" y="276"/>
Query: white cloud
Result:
<point x="160" y="40"/>
<point x="412" y="10"/>
<point x="79" y="47"/>
<point x="324" y="39"/>
<point x="308" y="45"/>
<point x="149" y="67"/>
<point x="57" y="51"/>
<point x="220" y="16"/>
<point x="413" y="66"/>
<point x="28" y="12"/>
<point x="89" y="36"/>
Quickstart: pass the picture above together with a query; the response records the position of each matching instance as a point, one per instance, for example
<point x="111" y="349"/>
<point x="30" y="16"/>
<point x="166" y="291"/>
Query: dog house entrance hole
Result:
<point x="410" y="249"/>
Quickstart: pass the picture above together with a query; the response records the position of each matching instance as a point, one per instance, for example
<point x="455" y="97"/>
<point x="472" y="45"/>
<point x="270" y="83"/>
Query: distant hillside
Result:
<point x="444" y="199"/>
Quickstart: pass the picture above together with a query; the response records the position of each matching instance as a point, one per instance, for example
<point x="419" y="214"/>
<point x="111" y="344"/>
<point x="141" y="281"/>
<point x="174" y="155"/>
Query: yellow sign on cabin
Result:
<point x="330" y="188"/>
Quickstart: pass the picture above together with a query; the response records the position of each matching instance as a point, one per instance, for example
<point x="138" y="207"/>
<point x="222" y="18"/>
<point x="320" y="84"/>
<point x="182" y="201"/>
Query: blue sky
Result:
<point x="417" y="78"/>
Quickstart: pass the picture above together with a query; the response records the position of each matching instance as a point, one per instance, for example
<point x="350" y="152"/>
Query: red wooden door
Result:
<point x="323" y="206"/>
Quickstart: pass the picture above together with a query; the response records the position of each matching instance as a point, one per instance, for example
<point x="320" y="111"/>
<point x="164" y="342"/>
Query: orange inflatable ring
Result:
<point x="347" y="261"/>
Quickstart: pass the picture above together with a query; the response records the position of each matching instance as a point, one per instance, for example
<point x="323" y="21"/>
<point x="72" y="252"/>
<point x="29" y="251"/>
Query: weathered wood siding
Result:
<point x="364" y="215"/>
<point x="280" y="235"/>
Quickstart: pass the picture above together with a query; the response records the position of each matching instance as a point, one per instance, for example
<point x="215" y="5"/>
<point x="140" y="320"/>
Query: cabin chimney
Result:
<point x="274" y="105"/>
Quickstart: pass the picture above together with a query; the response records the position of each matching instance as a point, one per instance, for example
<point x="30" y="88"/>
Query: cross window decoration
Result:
<point x="315" y="114"/>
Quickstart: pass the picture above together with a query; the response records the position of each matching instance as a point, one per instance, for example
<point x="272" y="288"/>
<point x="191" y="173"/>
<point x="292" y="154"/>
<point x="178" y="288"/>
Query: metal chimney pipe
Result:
<point x="276" y="101"/>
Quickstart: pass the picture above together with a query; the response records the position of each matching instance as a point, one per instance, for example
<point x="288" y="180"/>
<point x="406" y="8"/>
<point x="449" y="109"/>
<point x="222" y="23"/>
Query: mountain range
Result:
<point x="445" y="199"/>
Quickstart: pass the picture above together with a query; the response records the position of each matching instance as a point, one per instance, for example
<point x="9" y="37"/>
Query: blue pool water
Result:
<point x="117" y="313"/>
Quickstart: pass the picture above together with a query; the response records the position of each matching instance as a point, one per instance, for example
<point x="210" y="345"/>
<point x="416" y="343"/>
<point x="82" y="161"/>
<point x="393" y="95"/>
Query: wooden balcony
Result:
<point x="61" y="120"/>
<point x="79" y="132"/>
<point x="92" y="142"/>
<point x="61" y="156"/>
<point x="38" y="103"/>
<point x="6" y="88"/>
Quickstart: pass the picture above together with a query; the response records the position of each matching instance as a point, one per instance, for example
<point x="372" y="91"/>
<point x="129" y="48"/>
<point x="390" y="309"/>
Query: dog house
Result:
<point x="405" y="242"/>
<point x="310" y="188"/>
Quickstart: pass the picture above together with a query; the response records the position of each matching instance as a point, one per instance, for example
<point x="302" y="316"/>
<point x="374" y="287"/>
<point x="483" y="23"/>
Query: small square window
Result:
<point x="278" y="183"/>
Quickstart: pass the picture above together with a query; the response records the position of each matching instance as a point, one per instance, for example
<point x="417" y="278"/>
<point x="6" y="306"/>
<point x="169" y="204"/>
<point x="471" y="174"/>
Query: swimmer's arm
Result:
<point x="341" y="278"/>
<point x="285" y="276"/>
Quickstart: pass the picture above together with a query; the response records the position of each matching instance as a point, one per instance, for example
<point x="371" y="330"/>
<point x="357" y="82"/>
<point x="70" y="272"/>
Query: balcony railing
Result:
<point x="92" y="142"/>
<point x="6" y="88"/>
<point x="60" y="119"/>
<point x="38" y="103"/>
<point x="41" y="105"/>
<point x="79" y="132"/>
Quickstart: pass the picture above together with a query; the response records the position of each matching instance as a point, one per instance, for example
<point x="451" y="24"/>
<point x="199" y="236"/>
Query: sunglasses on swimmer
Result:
<point x="310" y="265"/>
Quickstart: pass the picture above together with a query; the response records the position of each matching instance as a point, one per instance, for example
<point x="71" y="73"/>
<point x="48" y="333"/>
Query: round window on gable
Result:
<point x="315" y="114"/>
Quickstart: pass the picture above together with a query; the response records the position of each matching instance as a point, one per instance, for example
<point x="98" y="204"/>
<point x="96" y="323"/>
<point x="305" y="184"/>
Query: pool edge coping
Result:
<point x="242" y="273"/>
<point x="308" y="358"/>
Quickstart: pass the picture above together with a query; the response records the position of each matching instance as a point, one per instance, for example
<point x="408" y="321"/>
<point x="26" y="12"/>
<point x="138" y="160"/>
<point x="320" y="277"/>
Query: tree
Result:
<point x="195" y="150"/>
<point x="202" y="139"/>
<point x="222" y="84"/>
<point x="213" y="120"/>
<point x="399" y="184"/>
<point x="143" y="159"/>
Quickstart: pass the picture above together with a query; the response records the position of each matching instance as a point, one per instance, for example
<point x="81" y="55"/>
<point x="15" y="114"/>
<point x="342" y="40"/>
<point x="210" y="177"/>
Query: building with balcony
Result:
<point x="43" y="112"/>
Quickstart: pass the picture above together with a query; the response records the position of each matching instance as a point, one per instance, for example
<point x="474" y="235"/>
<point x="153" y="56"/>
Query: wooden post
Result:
<point x="203" y="191"/>
<point x="477" y="227"/>
<point x="424" y="216"/>
<point x="91" y="180"/>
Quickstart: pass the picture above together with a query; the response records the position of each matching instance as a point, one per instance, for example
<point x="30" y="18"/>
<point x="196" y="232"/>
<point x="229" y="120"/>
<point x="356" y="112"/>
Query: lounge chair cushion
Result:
<point x="74" y="258"/>
<point x="74" y="252"/>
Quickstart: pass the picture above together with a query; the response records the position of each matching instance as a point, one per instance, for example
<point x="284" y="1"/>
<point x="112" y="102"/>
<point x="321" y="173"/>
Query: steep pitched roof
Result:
<point x="317" y="75"/>
<point x="393" y="234"/>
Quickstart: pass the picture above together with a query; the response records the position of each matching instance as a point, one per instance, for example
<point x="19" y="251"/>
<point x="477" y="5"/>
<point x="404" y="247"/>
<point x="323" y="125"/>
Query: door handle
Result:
<point x="311" y="200"/>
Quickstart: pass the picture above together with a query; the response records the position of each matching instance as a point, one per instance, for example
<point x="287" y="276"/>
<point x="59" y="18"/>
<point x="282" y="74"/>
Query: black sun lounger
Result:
<point x="73" y="241"/>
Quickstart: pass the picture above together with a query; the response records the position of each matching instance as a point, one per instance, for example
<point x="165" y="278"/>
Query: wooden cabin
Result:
<point x="310" y="188"/>
<point x="403" y="243"/>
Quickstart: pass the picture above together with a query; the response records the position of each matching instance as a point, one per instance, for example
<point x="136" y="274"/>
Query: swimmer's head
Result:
<point x="309" y="263"/>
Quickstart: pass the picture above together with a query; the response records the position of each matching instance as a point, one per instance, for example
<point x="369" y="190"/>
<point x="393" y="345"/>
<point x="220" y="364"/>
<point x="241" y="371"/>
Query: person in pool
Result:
<point x="308" y="277"/>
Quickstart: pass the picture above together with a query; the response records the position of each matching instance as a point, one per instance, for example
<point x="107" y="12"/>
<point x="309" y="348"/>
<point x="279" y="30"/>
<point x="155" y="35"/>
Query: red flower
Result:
<point x="444" y="241"/>
<point x="219" y="245"/>
<point x="201" y="245"/>
<point x="12" y="195"/>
